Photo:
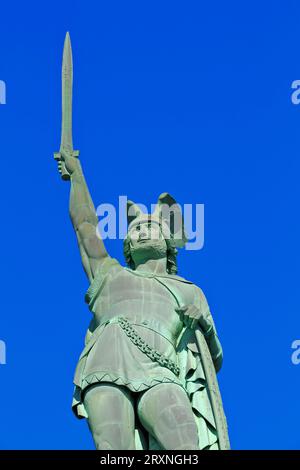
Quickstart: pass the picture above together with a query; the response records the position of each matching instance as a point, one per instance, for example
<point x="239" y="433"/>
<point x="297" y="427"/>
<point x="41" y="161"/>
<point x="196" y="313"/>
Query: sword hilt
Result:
<point x="65" y="175"/>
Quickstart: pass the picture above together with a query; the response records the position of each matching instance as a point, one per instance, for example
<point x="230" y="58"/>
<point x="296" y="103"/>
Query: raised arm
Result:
<point x="84" y="218"/>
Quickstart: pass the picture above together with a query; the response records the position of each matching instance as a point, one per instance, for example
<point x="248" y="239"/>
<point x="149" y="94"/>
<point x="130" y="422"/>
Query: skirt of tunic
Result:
<point x="114" y="358"/>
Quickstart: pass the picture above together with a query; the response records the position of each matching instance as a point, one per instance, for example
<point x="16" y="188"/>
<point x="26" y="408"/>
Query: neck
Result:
<point x="153" y="266"/>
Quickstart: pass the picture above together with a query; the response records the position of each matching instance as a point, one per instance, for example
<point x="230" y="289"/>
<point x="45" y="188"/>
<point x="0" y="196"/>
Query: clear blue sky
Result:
<point x="191" y="98"/>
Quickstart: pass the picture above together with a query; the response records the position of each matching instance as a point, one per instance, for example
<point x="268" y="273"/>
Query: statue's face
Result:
<point x="147" y="242"/>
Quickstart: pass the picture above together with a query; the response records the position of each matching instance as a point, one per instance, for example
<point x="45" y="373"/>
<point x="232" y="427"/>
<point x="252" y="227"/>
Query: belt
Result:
<point x="151" y="324"/>
<point x="141" y="344"/>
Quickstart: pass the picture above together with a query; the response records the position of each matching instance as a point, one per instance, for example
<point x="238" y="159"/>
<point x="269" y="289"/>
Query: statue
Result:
<point x="146" y="378"/>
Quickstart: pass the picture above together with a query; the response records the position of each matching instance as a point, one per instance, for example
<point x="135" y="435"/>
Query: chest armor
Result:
<point x="143" y="297"/>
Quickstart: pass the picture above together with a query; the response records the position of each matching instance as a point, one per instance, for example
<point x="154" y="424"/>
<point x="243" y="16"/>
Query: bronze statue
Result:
<point x="146" y="378"/>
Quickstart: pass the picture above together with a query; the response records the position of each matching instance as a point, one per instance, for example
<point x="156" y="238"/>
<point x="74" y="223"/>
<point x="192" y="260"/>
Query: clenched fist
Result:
<point x="71" y="163"/>
<point x="192" y="315"/>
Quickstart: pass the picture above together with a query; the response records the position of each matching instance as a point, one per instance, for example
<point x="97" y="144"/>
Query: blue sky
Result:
<point x="193" y="99"/>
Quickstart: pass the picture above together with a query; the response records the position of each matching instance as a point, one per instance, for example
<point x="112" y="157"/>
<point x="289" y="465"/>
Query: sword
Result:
<point x="213" y="391"/>
<point x="66" y="143"/>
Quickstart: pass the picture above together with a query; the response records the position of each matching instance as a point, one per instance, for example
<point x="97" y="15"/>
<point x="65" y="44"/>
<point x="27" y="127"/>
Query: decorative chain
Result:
<point x="153" y="354"/>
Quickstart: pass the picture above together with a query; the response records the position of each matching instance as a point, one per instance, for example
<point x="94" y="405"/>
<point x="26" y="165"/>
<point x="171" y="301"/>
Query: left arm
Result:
<point x="213" y="341"/>
<point x="198" y="314"/>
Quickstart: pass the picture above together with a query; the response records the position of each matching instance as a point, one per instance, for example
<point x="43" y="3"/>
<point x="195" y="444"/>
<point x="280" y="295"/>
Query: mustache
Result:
<point x="155" y="244"/>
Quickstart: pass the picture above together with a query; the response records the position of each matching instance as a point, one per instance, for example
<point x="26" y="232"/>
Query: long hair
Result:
<point x="171" y="255"/>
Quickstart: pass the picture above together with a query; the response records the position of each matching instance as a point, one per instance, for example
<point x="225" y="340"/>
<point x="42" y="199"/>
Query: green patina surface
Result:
<point x="146" y="377"/>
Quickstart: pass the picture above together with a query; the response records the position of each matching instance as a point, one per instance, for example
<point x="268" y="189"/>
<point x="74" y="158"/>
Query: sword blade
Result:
<point x="67" y="92"/>
<point x="66" y="142"/>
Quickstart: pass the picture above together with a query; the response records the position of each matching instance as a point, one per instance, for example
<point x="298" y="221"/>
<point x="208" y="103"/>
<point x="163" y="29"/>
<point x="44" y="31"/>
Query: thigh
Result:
<point x="110" y="416"/>
<point x="166" y="412"/>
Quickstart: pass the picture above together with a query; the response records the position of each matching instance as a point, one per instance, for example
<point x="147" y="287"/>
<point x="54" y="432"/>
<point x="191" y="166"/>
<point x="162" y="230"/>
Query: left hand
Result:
<point x="189" y="315"/>
<point x="192" y="316"/>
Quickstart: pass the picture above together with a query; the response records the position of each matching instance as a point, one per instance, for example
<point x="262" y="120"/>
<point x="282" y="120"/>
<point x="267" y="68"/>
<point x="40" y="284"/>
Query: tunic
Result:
<point x="109" y="354"/>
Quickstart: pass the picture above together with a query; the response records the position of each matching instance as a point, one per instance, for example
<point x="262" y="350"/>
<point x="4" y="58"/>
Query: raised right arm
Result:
<point x="84" y="219"/>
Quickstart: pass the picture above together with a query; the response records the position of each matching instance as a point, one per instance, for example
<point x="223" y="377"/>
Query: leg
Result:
<point x="111" y="416"/>
<point x="165" y="412"/>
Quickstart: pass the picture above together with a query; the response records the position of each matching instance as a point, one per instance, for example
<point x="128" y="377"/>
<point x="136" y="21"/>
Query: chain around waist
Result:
<point x="150" y="324"/>
<point x="141" y="344"/>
